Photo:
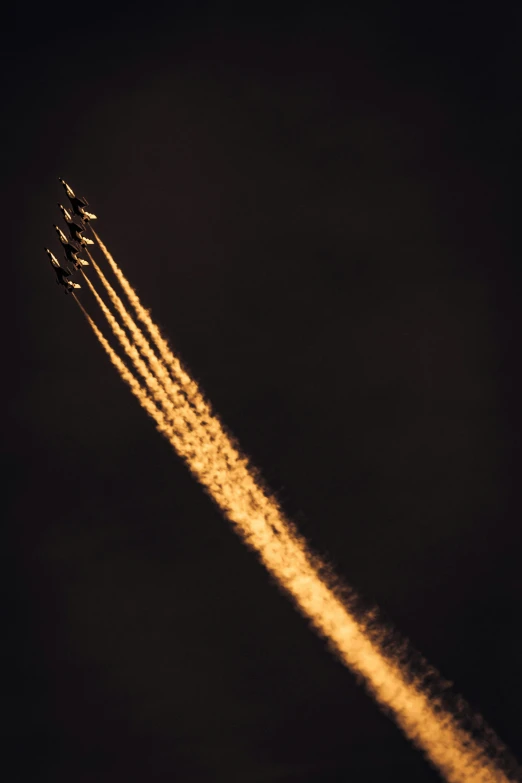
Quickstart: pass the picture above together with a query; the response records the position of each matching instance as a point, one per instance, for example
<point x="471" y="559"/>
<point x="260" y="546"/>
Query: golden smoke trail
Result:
<point x="187" y="383"/>
<point x="171" y="423"/>
<point x="127" y="376"/>
<point x="140" y="393"/>
<point x="158" y="367"/>
<point x="261" y="523"/>
<point x="131" y="350"/>
<point x="208" y="425"/>
<point x="210" y="438"/>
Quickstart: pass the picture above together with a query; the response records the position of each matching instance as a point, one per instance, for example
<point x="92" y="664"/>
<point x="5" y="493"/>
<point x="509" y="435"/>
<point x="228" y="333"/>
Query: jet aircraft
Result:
<point x="78" y="204"/>
<point x="61" y="273"/>
<point x="76" y="227"/>
<point x="71" y="249"/>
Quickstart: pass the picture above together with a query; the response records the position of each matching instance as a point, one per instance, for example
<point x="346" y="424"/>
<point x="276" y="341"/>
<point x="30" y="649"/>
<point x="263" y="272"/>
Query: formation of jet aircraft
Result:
<point x="76" y="220"/>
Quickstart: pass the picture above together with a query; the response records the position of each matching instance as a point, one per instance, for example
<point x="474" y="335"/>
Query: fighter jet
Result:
<point x="71" y="249"/>
<point x="78" y="204"/>
<point x="61" y="273"/>
<point x="76" y="227"/>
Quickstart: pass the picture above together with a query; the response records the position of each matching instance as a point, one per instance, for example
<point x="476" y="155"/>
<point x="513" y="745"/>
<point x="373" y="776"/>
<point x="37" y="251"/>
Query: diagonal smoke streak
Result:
<point x="170" y="387"/>
<point x="175" y="406"/>
<point x="145" y="399"/>
<point x="187" y="383"/>
<point x="260" y="522"/>
<point x="139" y="338"/>
<point x="176" y="416"/>
<point x="135" y="387"/>
<point x="176" y="429"/>
<point x="209" y="426"/>
<point x="222" y="444"/>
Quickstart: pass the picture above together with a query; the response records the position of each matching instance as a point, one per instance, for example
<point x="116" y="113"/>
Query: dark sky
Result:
<point x="320" y="211"/>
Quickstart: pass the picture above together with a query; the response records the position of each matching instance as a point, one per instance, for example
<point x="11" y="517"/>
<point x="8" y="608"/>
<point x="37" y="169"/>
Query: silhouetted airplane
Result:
<point x="61" y="273"/>
<point x="71" y="250"/>
<point x="78" y="204"/>
<point x="76" y="227"/>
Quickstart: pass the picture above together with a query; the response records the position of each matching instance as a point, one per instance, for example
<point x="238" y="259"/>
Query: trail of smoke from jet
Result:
<point x="187" y="383"/>
<point x="125" y="373"/>
<point x="164" y="390"/>
<point x="147" y="402"/>
<point x="258" y="519"/>
<point x="130" y="349"/>
<point x="194" y="448"/>
<point x="171" y="388"/>
<point x="207" y="422"/>
<point x="209" y="425"/>
<point x="169" y="413"/>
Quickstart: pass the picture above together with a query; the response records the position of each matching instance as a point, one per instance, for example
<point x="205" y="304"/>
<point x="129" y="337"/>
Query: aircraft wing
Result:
<point x="68" y="190"/>
<point x="62" y="271"/>
<point x="56" y="264"/>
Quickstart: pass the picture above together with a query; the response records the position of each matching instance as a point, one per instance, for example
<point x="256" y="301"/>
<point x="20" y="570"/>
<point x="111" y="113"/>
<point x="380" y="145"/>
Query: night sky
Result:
<point x="320" y="212"/>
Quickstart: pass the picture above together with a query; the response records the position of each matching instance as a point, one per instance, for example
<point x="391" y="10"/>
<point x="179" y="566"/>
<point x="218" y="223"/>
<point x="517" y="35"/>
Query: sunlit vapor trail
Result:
<point x="140" y="393"/>
<point x="170" y="388"/>
<point x="172" y="425"/>
<point x="164" y="390"/>
<point x="208" y="425"/>
<point x="127" y="376"/>
<point x="187" y="383"/>
<point x="257" y="517"/>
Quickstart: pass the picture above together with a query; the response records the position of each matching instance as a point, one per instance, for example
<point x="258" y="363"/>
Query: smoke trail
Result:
<point x="210" y="428"/>
<point x="176" y="409"/>
<point x="260" y="522"/>
<point x="125" y="373"/>
<point x="187" y="383"/>
<point x="207" y="423"/>
<point x="176" y="430"/>
<point x="176" y="417"/>
<point x="131" y="350"/>
<point x="162" y="424"/>
<point x="158" y="367"/>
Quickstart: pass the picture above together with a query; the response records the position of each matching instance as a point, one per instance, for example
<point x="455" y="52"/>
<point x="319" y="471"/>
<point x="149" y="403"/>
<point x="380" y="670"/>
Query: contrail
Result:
<point x="132" y="352"/>
<point x="125" y="373"/>
<point x="176" y="409"/>
<point x="209" y="428"/>
<point x="140" y="393"/>
<point x="257" y="517"/>
<point x="136" y="333"/>
<point x="187" y="383"/>
<point x="171" y="423"/>
<point x="177" y="418"/>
